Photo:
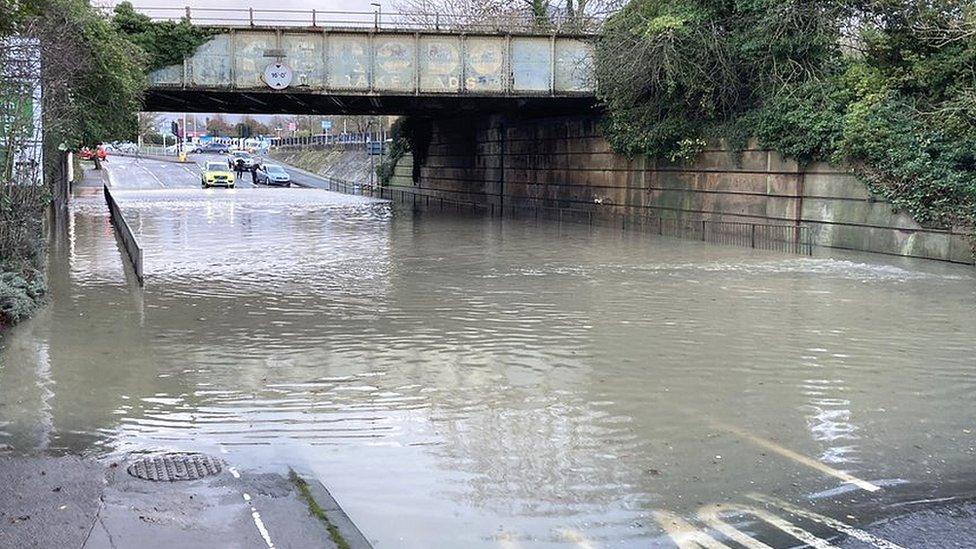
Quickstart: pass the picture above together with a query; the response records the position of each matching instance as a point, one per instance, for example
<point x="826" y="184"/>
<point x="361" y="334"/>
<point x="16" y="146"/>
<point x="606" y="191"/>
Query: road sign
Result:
<point x="278" y="76"/>
<point x="326" y="125"/>
<point x="375" y="148"/>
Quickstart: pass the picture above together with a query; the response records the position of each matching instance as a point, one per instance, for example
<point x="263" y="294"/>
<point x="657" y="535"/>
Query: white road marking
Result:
<point x="147" y="170"/>
<point x="797" y="457"/>
<point x="851" y="531"/>
<point x="684" y="534"/>
<point x="258" y="522"/>
<point x="711" y="515"/>
<point x="255" y="516"/>
<point x="787" y="453"/>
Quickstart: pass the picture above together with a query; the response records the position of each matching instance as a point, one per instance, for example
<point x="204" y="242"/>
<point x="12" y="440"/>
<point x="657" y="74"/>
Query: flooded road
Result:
<point x="464" y="381"/>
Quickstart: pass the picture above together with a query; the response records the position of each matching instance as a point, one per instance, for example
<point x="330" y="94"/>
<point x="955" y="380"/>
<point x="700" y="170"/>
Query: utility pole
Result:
<point x="372" y="169"/>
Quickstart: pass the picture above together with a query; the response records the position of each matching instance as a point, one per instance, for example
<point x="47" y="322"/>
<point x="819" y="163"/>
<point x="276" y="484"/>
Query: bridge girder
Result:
<point x="257" y="102"/>
<point x="353" y="71"/>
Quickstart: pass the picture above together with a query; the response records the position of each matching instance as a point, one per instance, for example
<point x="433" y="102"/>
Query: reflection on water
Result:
<point x="466" y="381"/>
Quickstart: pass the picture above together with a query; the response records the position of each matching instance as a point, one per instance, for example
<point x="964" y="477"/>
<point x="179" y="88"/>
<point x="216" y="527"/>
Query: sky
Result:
<point x="242" y="6"/>
<point x="306" y="5"/>
<point x="235" y="12"/>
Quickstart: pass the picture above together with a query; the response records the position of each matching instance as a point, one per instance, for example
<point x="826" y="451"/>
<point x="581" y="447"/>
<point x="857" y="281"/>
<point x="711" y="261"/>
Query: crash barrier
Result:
<point x="793" y="238"/>
<point x="129" y="242"/>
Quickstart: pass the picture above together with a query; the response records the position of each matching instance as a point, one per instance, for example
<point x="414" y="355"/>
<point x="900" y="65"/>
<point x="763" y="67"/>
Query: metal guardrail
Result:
<point x="376" y="20"/>
<point x="155" y="151"/>
<point x="360" y="139"/>
<point x="794" y="239"/>
<point x="129" y="241"/>
<point x="347" y="187"/>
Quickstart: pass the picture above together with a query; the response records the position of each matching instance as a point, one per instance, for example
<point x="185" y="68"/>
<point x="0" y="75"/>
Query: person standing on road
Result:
<point x="239" y="168"/>
<point x="254" y="173"/>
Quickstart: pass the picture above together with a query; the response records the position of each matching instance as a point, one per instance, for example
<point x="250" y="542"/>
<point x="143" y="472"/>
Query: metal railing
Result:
<point x="129" y="241"/>
<point x="346" y="187"/>
<point x="154" y="150"/>
<point x="376" y="20"/>
<point x="343" y="139"/>
<point x="794" y="239"/>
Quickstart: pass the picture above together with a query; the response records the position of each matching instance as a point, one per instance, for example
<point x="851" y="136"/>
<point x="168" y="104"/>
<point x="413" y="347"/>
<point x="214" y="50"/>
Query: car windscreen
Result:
<point x="277" y="170"/>
<point x="216" y="166"/>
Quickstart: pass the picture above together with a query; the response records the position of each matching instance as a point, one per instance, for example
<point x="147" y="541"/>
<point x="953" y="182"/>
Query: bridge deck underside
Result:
<point x="270" y="102"/>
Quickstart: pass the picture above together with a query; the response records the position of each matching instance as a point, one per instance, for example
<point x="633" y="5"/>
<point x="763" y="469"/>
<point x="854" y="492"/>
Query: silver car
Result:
<point x="243" y="157"/>
<point x="273" y="174"/>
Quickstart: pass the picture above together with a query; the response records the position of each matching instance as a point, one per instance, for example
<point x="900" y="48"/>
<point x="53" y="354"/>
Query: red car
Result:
<point x="88" y="154"/>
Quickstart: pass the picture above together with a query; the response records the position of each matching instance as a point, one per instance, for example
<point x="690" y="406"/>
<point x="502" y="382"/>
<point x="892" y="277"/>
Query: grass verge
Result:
<point x="316" y="510"/>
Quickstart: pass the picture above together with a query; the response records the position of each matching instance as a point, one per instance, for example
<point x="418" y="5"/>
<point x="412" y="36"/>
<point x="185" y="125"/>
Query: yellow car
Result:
<point x="216" y="174"/>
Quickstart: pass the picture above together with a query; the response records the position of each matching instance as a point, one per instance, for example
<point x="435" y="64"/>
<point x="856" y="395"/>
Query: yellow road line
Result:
<point x="577" y="537"/>
<point x="507" y="540"/>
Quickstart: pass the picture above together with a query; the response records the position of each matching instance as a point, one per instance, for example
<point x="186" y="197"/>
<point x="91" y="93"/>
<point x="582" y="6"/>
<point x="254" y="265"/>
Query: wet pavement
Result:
<point x="150" y="173"/>
<point x="466" y="381"/>
<point x="71" y="502"/>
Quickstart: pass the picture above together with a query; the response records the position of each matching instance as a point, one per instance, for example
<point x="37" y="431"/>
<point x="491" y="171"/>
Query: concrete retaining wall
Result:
<point x="566" y="162"/>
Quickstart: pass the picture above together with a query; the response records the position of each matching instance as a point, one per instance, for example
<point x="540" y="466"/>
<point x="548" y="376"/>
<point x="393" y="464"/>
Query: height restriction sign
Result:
<point x="277" y="76"/>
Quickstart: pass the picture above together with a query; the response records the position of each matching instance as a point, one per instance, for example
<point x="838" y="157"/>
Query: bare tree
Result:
<point x="450" y="14"/>
<point x="507" y="14"/>
<point x="149" y="124"/>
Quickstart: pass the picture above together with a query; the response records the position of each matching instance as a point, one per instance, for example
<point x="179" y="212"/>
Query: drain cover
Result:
<point x="170" y="467"/>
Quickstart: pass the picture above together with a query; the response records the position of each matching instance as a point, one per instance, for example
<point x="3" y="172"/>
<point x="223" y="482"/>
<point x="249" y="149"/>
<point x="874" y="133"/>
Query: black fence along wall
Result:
<point x="565" y="162"/>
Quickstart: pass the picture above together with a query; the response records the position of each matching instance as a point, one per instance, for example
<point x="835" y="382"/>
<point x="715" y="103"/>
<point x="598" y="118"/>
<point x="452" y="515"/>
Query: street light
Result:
<point x="377" y="14"/>
<point x="369" y="152"/>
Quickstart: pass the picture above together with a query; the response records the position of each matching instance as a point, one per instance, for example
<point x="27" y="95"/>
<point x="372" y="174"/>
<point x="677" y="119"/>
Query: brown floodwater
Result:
<point x="462" y="381"/>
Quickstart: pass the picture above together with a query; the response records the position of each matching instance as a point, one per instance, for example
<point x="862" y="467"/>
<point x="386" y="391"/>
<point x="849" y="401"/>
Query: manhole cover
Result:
<point x="170" y="467"/>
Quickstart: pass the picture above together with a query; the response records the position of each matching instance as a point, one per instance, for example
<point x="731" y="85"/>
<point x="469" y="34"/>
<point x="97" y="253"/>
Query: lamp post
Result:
<point x="372" y="168"/>
<point x="377" y="14"/>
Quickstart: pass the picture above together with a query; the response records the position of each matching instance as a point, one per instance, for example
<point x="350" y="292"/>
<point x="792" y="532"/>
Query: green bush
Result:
<point x="408" y="134"/>
<point x="165" y="42"/>
<point x="21" y="292"/>
<point x="888" y="88"/>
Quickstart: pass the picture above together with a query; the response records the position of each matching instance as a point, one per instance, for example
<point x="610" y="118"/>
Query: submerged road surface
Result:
<point x="474" y="382"/>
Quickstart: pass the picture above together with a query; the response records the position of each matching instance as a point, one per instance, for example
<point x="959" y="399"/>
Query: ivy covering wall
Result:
<point x="887" y="87"/>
